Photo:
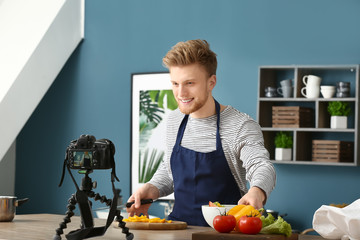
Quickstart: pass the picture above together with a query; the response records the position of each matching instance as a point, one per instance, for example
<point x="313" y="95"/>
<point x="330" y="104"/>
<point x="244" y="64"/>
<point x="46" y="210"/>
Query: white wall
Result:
<point x="23" y="24"/>
<point x="37" y="38"/>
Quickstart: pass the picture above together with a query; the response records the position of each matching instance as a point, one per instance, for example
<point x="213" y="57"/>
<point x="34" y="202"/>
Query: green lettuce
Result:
<point x="280" y="226"/>
<point x="266" y="221"/>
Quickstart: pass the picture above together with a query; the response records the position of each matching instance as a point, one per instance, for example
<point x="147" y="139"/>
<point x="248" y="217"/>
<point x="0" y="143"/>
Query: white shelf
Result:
<point x="280" y="99"/>
<point x="302" y="137"/>
<point x="348" y="130"/>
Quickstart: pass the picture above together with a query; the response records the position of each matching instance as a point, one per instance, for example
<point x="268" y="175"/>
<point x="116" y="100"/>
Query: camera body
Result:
<point x="88" y="153"/>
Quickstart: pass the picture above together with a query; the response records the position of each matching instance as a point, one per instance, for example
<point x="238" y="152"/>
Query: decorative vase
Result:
<point x="282" y="154"/>
<point x="338" y="122"/>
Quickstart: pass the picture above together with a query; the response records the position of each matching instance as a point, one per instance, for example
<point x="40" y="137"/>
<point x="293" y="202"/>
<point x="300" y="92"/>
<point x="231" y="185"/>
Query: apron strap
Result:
<point x="183" y="126"/>
<point x="181" y="131"/>
<point x="218" y="139"/>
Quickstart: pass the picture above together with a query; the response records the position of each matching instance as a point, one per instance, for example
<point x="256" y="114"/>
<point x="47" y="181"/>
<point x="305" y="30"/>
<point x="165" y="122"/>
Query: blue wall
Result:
<point x="92" y="93"/>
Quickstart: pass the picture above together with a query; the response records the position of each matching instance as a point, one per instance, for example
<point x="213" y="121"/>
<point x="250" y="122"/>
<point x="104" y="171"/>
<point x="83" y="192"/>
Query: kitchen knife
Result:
<point x="143" y="201"/>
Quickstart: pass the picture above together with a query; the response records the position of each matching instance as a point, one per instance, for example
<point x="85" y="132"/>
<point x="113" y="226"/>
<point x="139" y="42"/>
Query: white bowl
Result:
<point x="326" y="87"/>
<point x="210" y="212"/>
<point x="327" y="93"/>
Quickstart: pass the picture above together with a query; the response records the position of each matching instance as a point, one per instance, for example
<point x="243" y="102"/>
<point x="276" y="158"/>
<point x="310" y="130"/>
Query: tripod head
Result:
<point x="86" y="183"/>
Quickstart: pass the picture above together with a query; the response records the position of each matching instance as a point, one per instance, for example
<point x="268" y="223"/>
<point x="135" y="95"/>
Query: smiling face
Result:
<point x="192" y="87"/>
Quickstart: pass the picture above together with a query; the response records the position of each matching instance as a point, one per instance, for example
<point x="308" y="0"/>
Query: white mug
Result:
<point x="311" y="91"/>
<point x="286" y="83"/>
<point x="311" y="80"/>
<point x="285" y="91"/>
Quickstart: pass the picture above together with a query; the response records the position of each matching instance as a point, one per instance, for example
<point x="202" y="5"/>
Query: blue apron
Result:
<point x="200" y="178"/>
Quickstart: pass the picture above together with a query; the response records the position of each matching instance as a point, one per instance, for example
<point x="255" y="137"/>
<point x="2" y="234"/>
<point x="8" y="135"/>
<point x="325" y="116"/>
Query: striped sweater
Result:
<point x="242" y="143"/>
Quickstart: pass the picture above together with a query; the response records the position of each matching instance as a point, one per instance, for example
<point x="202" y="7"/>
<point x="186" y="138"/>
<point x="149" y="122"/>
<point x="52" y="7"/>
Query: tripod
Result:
<point x="87" y="228"/>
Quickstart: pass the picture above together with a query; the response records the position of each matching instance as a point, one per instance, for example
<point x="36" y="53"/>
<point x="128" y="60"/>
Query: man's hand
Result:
<point x="255" y="197"/>
<point x="146" y="191"/>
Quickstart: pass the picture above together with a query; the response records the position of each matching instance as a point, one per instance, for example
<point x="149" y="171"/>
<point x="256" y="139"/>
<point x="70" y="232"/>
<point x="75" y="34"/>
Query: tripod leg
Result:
<point x="125" y="230"/>
<point x="98" y="197"/>
<point x="119" y="218"/>
<point x="71" y="206"/>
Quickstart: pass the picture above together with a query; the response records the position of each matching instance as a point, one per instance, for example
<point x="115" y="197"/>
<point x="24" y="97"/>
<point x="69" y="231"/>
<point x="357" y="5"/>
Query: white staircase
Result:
<point x="36" y="39"/>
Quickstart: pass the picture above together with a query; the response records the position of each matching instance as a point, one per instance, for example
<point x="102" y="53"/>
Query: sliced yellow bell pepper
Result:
<point x="144" y="218"/>
<point x="235" y="209"/>
<point x="243" y="210"/>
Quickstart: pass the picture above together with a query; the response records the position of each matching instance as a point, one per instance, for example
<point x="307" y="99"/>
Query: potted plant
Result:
<point x="339" y="112"/>
<point x="283" y="146"/>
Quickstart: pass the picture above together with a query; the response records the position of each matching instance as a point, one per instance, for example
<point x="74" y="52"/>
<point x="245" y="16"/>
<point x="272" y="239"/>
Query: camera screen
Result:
<point x="83" y="159"/>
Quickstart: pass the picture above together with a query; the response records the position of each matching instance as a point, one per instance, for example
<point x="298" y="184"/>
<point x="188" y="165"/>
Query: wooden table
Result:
<point x="43" y="226"/>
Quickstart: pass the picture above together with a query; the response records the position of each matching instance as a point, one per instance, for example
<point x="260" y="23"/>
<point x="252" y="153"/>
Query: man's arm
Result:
<point x="162" y="180"/>
<point x="260" y="172"/>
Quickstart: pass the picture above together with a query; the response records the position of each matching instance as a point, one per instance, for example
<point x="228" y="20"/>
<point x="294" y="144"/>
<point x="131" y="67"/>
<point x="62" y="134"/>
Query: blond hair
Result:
<point x="189" y="52"/>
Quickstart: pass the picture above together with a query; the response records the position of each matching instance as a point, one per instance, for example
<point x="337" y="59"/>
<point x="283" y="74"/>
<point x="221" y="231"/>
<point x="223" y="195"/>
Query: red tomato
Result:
<point x="250" y="225"/>
<point x="224" y="223"/>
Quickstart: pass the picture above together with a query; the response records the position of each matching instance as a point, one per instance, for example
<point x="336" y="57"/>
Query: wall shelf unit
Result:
<point x="270" y="76"/>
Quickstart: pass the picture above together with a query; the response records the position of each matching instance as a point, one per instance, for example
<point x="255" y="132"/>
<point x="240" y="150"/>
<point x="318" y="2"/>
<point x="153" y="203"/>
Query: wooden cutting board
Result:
<point x="175" y="225"/>
<point x="214" y="235"/>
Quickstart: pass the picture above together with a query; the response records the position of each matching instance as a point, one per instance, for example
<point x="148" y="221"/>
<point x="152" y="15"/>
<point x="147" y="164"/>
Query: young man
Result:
<point x="212" y="149"/>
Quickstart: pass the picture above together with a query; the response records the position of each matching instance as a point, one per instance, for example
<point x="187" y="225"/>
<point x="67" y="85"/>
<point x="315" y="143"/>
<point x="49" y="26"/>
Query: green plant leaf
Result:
<point x="283" y="140"/>
<point x="338" y="108"/>
<point x="142" y="165"/>
<point x="149" y="164"/>
<point x="171" y="101"/>
<point x="149" y="108"/>
<point x="154" y="95"/>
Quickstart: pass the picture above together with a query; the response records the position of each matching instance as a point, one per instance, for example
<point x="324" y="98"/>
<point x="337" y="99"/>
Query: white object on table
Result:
<point x="338" y="223"/>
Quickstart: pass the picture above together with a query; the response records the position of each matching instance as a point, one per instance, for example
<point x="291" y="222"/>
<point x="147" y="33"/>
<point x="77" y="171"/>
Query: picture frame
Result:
<point x="151" y="101"/>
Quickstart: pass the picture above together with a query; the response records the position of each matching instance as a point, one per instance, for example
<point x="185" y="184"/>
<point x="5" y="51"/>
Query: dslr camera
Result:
<point x="87" y="153"/>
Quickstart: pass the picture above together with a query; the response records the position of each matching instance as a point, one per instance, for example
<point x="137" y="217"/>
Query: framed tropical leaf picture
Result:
<point x="152" y="101"/>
